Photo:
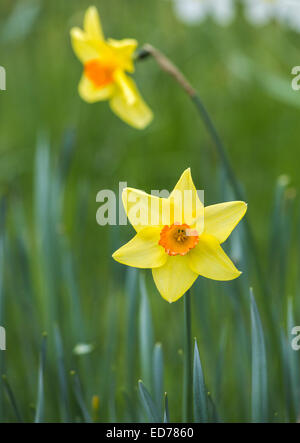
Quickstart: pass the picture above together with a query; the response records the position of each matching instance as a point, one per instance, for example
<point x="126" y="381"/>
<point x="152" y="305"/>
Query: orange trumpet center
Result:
<point x="178" y="239"/>
<point x="99" y="73"/>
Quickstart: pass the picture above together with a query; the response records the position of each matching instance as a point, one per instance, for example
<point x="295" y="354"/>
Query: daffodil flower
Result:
<point x="185" y="247"/>
<point x="196" y="11"/>
<point x="105" y="74"/>
<point x="286" y="12"/>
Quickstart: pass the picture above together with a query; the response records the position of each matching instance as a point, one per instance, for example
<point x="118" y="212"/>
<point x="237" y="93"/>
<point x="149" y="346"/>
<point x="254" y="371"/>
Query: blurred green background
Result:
<point x="57" y="152"/>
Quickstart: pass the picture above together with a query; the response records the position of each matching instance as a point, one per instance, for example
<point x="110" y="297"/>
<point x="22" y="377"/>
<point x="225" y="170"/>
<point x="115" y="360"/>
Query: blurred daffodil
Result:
<point x="193" y="12"/>
<point x="83" y="348"/>
<point x="178" y="238"/>
<point x="106" y="67"/>
<point x="285" y="12"/>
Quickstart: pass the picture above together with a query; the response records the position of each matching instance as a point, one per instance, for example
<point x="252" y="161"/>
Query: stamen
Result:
<point x="178" y="239"/>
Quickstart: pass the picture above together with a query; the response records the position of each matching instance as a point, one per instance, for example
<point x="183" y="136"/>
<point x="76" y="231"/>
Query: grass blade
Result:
<point x="132" y="308"/>
<point x="148" y="404"/>
<point x="158" y="376"/>
<point x="289" y="411"/>
<point x="259" y="366"/>
<point x="187" y="374"/>
<point x="12" y="398"/>
<point x="199" y="389"/>
<point x="280" y="234"/>
<point x="2" y="227"/>
<point x="213" y="415"/>
<point x="63" y="386"/>
<point x="21" y="21"/>
<point x="79" y="397"/>
<point x="166" y="412"/>
<point x="146" y="334"/>
<point x="293" y="361"/>
<point x="40" y="408"/>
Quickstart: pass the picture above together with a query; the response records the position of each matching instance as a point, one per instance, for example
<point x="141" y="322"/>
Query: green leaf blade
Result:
<point x="259" y="392"/>
<point x="158" y="376"/>
<point x="148" y="404"/>
<point x="199" y="389"/>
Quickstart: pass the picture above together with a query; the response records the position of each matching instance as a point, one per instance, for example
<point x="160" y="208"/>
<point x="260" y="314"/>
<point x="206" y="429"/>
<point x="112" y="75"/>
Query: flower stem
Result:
<point x="166" y="65"/>
<point x="187" y="376"/>
<point x="232" y="180"/>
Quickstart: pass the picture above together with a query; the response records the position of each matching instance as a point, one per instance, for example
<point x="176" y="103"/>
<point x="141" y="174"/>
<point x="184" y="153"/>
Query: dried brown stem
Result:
<point x="169" y="67"/>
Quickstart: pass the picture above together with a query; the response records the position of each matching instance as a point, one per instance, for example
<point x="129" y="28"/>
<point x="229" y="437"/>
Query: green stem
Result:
<point x="232" y="180"/>
<point x="187" y="377"/>
<point x="166" y="65"/>
<point x="219" y="145"/>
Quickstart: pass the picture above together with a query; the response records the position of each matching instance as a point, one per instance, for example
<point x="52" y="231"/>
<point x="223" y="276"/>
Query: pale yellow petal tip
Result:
<point x="237" y="275"/>
<point x="186" y="175"/>
<point x="188" y="172"/>
<point x="245" y="207"/>
<point x="116" y="256"/>
<point x="124" y="193"/>
<point x="92" y="10"/>
<point x="118" y="259"/>
<point x="165" y="297"/>
<point x="134" y="190"/>
<point x="145" y="121"/>
<point x="90" y="13"/>
<point x="241" y="202"/>
<point x="92" y="23"/>
<point x="75" y="33"/>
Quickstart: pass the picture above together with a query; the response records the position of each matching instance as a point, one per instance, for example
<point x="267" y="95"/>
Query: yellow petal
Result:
<point x="143" y="251"/>
<point x="92" y="24"/>
<point x="209" y="260"/>
<point x="91" y="94"/>
<point x="174" y="278"/>
<point x="144" y="209"/>
<point x="221" y="219"/>
<point x="126" y="86"/>
<point x="123" y="51"/>
<point x="185" y="182"/>
<point x="189" y="207"/>
<point x="129" y="105"/>
<point x="85" y="48"/>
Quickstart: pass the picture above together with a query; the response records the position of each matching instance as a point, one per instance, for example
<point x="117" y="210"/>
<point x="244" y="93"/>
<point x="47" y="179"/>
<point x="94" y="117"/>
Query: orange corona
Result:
<point x="99" y="73"/>
<point x="178" y="239"/>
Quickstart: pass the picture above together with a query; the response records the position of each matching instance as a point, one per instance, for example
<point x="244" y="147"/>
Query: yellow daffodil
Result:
<point x="106" y="64"/>
<point x="188" y="245"/>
